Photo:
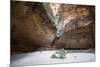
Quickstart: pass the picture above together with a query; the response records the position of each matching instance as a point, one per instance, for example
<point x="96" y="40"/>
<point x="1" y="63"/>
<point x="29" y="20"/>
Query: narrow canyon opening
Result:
<point x="34" y="25"/>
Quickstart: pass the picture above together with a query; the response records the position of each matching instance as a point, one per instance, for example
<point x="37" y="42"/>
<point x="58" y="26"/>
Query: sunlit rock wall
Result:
<point x="67" y="17"/>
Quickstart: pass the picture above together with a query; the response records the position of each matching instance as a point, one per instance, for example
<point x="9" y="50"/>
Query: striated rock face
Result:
<point x="67" y="16"/>
<point x="31" y="29"/>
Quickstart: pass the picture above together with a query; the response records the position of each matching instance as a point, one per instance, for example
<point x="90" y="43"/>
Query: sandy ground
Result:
<point x="44" y="57"/>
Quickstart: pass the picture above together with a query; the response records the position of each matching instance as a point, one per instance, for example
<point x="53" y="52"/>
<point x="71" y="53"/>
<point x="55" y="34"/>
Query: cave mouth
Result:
<point x="51" y="33"/>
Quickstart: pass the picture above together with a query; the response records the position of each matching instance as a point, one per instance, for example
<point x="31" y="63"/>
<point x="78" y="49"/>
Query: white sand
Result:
<point x="44" y="57"/>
